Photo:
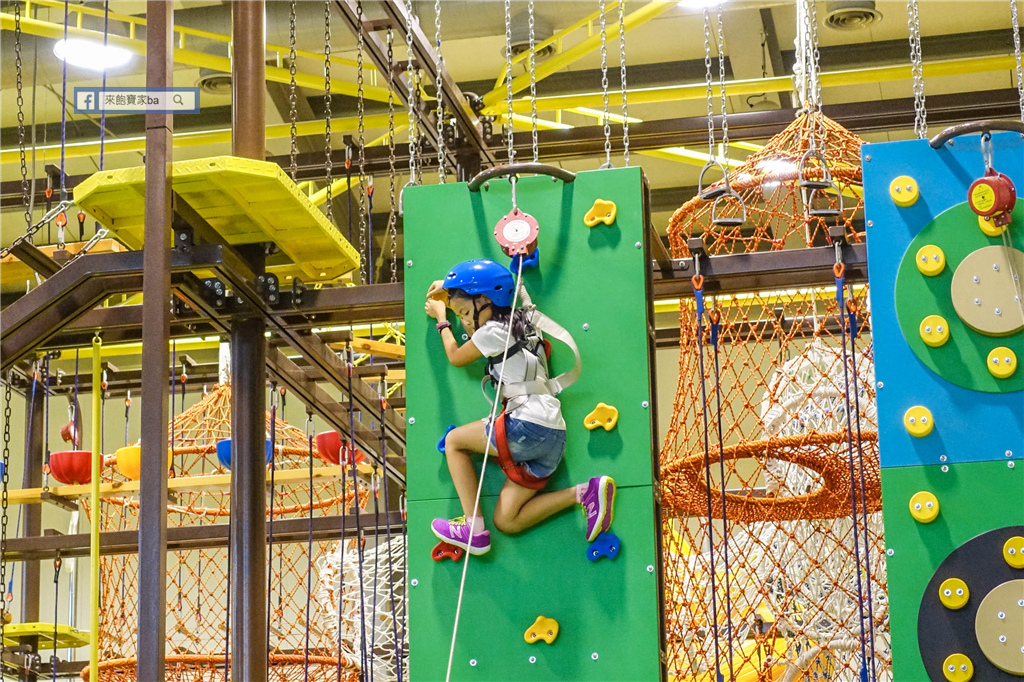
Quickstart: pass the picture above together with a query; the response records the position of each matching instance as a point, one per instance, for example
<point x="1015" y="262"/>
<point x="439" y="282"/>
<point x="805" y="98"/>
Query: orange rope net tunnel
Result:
<point x="197" y="580"/>
<point x="793" y="601"/>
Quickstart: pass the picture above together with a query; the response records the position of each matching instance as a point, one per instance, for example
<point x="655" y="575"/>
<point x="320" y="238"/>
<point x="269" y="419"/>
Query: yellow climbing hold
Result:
<point x="934" y="330"/>
<point x="604" y="416"/>
<point x="542" y="629"/>
<point x="924" y="507"/>
<point x="1002" y="362"/>
<point x="918" y="421"/>
<point x="957" y="668"/>
<point x="930" y="260"/>
<point x="1013" y="552"/>
<point x="953" y="593"/>
<point x="601" y="212"/>
<point x="989" y="227"/>
<point x="904" y="191"/>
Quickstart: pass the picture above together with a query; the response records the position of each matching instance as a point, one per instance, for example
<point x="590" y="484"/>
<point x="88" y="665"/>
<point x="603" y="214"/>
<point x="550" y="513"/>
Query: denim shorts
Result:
<point x="538" y="448"/>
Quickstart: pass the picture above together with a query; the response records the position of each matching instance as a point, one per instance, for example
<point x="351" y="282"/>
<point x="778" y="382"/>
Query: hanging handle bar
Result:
<point x="804" y="180"/>
<point x="713" y="192"/>
<point x="731" y="221"/>
<point x="527" y="167"/>
<point x="986" y="126"/>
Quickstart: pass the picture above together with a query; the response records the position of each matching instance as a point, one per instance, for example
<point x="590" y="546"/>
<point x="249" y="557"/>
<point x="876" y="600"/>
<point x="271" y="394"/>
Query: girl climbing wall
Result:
<point x="529" y="434"/>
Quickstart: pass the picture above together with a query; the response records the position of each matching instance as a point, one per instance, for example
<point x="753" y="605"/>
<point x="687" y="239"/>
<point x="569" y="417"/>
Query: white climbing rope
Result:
<point x="483" y="467"/>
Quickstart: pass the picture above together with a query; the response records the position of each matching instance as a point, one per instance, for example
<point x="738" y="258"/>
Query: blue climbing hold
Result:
<point x="531" y="261"/>
<point x="605" y="545"/>
<point x="224" y="452"/>
<point x="440" y="443"/>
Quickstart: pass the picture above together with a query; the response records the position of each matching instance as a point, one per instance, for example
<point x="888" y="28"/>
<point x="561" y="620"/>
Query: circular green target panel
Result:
<point x="959" y="299"/>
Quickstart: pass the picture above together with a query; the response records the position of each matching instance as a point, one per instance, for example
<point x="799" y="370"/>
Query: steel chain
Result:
<point x="25" y="192"/>
<point x="816" y="71"/>
<point x="392" y="214"/>
<point x="292" y="96"/>
<point x="707" y="82"/>
<point x="604" y="88"/>
<point x="721" y="87"/>
<point x="533" y="83"/>
<point x="4" y="501"/>
<point x="1016" y="53"/>
<point x="439" y="65"/>
<point x="917" y="69"/>
<point x="361" y="140"/>
<point x="31" y="231"/>
<point x="328" y="163"/>
<point x="622" y="80"/>
<point x="413" y="76"/>
<point x="509" y="136"/>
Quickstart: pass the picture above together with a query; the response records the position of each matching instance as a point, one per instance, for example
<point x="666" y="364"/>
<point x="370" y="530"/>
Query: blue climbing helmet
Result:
<point x="485" y="278"/>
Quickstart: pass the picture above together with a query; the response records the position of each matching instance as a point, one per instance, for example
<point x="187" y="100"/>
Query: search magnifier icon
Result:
<point x="178" y="100"/>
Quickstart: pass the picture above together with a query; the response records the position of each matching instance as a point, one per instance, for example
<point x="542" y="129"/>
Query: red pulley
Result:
<point x="517" y="233"/>
<point x="993" y="196"/>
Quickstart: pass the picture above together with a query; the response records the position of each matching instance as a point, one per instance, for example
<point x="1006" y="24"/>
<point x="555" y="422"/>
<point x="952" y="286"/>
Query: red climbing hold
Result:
<point x="444" y="550"/>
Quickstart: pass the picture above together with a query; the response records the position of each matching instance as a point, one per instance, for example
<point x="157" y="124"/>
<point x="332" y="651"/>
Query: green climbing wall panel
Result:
<point x="593" y="281"/>
<point x="974" y="497"/>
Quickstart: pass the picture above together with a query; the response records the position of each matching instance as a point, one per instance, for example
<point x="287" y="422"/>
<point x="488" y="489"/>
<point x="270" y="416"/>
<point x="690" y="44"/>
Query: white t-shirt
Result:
<point x="541" y="409"/>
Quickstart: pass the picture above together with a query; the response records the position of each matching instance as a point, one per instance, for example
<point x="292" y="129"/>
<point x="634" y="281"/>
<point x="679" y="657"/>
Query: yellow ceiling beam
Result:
<point x="558" y="62"/>
<point x="183" y="31"/>
<point x="204" y="137"/>
<point x="55" y="31"/>
<point x="754" y="86"/>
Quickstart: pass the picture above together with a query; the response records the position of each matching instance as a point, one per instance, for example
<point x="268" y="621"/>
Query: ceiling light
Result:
<point x="777" y="166"/>
<point x="92" y="55"/>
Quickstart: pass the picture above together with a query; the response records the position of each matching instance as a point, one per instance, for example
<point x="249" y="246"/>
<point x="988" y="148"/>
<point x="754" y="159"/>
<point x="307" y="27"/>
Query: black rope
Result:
<point x="853" y="486"/>
<point x="270" y="520"/>
<point x="309" y="548"/>
<point x="698" y="294"/>
<point x="852" y="314"/>
<point x="56" y="603"/>
<point x="387" y="507"/>
<point x="715" y="317"/>
<point x="359" y="528"/>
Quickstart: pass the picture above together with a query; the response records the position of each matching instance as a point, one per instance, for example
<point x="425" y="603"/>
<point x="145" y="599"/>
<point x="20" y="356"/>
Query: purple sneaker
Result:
<point x="597" y="505"/>
<point x="457" y="532"/>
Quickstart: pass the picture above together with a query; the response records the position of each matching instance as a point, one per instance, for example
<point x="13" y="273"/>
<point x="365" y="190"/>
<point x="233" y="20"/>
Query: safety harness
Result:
<point x="536" y="351"/>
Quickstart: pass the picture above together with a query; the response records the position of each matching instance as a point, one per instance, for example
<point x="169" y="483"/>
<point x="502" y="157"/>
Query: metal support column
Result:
<point x="248" y="542"/>
<point x="156" y="330"/>
<point x="32" y="477"/>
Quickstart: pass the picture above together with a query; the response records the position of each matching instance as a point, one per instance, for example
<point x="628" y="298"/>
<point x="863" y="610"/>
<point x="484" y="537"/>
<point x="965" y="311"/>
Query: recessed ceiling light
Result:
<point x="92" y="55"/>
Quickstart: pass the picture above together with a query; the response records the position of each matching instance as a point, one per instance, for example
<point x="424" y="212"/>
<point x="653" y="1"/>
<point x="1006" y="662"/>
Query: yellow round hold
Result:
<point x="934" y="330"/>
<point x="1013" y="552"/>
<point x="904" y="191"/>
<point x="918" y="421"/>
<point x="989" y="227"/>
<point x="957" y="668"/>
<point x="931" y="261"/>
<point x="1001" y="362"/>
<point x="953" y="593"/>
<point x="924" y="507"/>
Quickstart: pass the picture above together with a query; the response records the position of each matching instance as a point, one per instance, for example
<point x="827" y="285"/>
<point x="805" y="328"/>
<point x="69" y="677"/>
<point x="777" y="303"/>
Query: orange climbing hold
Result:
<point x="604" y="416"/>
<point x="542" y="629"/>
<point x="601" y="212"/>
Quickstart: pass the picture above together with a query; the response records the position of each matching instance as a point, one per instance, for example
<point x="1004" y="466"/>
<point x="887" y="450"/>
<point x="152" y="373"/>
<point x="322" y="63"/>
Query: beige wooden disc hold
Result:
<point x="999" y="626"/>
<point x="984" y="292"/>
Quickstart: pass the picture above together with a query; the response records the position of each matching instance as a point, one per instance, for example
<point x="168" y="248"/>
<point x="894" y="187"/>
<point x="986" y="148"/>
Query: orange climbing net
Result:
<point x="792" y="602"/>
<point x="197" y="580"/>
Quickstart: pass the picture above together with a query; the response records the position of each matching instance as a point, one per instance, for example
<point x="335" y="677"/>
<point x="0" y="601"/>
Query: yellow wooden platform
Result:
<point x="14" y="273"/>
<point x="67" y="636"/>
<point x="245" y="201"/>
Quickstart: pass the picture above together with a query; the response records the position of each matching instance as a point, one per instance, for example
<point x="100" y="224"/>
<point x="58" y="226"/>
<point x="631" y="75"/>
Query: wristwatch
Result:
<point x="443" y="325"/>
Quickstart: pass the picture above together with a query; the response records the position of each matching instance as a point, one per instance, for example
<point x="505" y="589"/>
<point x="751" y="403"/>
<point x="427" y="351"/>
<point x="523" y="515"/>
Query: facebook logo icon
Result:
<point x="87" y="101"/>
